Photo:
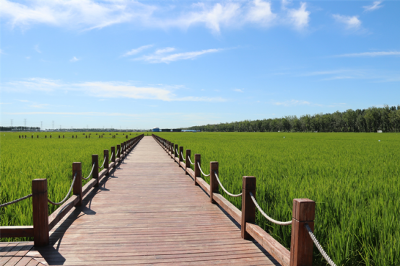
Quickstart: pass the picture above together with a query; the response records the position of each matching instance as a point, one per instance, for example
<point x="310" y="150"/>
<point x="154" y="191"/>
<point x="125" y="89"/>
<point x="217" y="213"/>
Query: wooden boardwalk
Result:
<point x="149" y="212"/>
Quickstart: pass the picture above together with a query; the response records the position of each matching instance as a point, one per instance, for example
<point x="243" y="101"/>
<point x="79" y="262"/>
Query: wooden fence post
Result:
<point x="106" y="161"/>
<point x="180" y="155"/>
<point x="119" y="151"/>
<point x="214" y="186"/>
<point x="175" y="151"/>
<point x="197" y="162"/>
<point x="171" y="149"/>
<point x="95" y="161"/>
<point x="248" y="207"/>
<point x="77" y="168"/>
<point x="301" y="247"/>
<point x="188" y="154"/>
<point x="113" y="155"/>
<point x="40" y="212"/>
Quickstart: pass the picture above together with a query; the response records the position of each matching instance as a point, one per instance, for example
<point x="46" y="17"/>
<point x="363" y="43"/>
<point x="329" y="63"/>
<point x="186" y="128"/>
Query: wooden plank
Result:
<point x="16" y="231"/>
<point x="204" y="185"/>
<point x="86" y="188"/>
<point x="102" y="173"/>
<point x="279" y="252"/>
<point x="61" y="211"/>
<point x="228" y="207"/>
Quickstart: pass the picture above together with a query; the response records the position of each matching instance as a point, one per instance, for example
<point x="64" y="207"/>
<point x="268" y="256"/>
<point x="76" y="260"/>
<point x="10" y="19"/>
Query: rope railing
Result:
<point x="265" y="215"/>
<point x="318" y="245"/>
<point x="112" y="154"/>
<point x="176" y="151"/>
<point x="15" y="201"/>
<point x="183" y="158"/>
<point x="226" y="191"/>
<point x="66" y="197"/>
<point x="190" y="160"/>
<point x="103" y="163"/>
<point x="202" y="170"/>
<point x="89" y="174"/>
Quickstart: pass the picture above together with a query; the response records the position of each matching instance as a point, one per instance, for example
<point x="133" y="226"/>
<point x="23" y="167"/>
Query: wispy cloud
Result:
<point x="350" y="22"/>
<point x="107" y="90"/>
<point x="238" y="90"/>
<point x="375" y="5"/>
<point x="74" y="59"/>
<point x="357" y="74"/>
<point x="37" y="49"/>
<point x="90" y="14"/>
<point x="162" y="56"/>
<point x="137" y="50"/>
<point x="292" y="103"/>
<point x="371" y="54"/>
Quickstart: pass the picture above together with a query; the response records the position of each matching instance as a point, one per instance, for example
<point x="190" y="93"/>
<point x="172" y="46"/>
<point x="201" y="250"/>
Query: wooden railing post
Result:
<point x="214" y="186"/>
<point x="301" y="247"/>
<point x="77" y="189"/>
<point x="119" y="151"/>
<point x="171" y="149"/>
<point x="180" y="155"/>
<point x="113" y="155"/>
<point x="197" y="162"/>
<point x="175" y="153"/>
<point x="95" y="161"/>
<point x="106" y="162"/>
<point x="40" y="212"/>
<point x="188" y="154"/>
<point x="248" y="207"/>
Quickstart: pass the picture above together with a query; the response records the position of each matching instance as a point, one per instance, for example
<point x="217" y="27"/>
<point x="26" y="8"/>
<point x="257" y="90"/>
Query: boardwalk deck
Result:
<point x="149" y="212"/>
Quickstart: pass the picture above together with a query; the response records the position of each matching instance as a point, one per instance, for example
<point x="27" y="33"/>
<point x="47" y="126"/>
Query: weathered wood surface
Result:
<point x="149" y="212"/>
<point x="20" y="253"/>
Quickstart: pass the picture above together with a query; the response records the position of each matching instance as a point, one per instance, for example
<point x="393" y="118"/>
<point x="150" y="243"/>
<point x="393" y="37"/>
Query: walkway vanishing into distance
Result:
<point x="149" y="212"/>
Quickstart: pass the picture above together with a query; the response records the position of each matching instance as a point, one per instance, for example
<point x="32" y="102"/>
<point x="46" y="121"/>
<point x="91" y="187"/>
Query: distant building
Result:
<point x="156" y="129"/>
<point x="177" y="130"/>
<point x="190" y="130"/>
<point x="165" y="130"/>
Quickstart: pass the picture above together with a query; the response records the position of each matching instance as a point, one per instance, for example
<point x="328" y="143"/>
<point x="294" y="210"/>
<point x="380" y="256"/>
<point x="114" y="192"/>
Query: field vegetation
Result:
<point x="22" y="160"/>
<point x="352" y="177"/>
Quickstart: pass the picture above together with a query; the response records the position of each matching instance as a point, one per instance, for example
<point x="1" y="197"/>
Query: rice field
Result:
<point x="352" y="177"/>
<point x="22" y="160"/>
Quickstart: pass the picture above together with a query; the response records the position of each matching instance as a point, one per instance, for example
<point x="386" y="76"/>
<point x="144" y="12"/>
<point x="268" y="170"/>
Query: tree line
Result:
<point x="372" y="119"/>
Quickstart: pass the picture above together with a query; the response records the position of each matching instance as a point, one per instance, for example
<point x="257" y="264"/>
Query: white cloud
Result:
<point x="292" y="103"/>
<point x="106" y="90"/>
<point x="375" y="5"/>
<point x="73" y="13"/>
<point x="137" y="50"/>
<point x="299" y="17"/>
<point x="160" y="57"/>
<point x="351" y="22"/>
<point x="238" y="90"/>
<point x="74" y="59"/>
<point x="261" y="13"/>
<point x="372" y="54"/>
<point x="90" y="14"/>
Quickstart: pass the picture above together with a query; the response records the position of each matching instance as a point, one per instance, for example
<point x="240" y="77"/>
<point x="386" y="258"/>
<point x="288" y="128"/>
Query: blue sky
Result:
<point x="142" y="64"/>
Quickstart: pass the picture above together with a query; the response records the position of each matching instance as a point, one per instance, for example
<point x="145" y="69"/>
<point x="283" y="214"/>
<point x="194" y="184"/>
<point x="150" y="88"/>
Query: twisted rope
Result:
<point x="183" y="157"/>
<point x="190" y="160"/>
<point x="230" y="194"/>
<point x="176" y="151"/>
<point x="89" y="174"/>
<point x="15" y="201"/>
<point x="103" y="163"/>
<point x="318" y="245"/>
<point x="112" y="154"/>
<point x="202" y="170"/>
<point x="266" y="216"/>
<point x="66" y="197"/>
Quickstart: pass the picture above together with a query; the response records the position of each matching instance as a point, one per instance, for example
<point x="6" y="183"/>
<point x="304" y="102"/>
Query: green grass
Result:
<point x="352" y="177"/>
<point x="22" y="160"/>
